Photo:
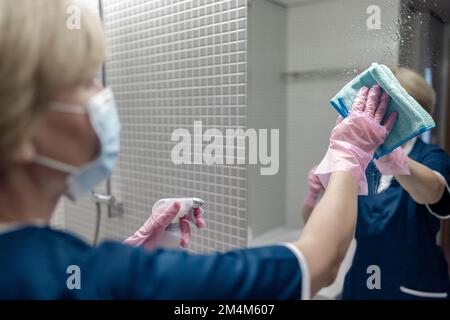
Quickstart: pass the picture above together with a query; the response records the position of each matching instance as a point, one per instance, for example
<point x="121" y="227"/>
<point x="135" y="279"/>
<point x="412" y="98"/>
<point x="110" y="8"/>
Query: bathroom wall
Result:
<point x="58" y="220"/>
<point x="267" y="109"/>
<point x="173" y="62"/>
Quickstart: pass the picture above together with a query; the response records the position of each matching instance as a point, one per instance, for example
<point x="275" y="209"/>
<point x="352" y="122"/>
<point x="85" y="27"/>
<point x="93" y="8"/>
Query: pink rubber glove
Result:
<point x="185" y="227"/>
<point x="314" y="188"/>
<point x="151" y="232"/>
<point x="354" y="140"/>
<point x="394" y="163"/>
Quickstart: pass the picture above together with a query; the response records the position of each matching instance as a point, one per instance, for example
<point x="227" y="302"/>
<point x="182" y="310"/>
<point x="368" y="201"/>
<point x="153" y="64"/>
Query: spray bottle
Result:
<point x="172" y="235"/>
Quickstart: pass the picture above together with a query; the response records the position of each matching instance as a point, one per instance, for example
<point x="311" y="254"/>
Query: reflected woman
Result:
<point x="398" y="253"/>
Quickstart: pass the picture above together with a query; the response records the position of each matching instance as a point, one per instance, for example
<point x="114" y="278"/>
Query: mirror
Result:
<point x="300" y="54"/>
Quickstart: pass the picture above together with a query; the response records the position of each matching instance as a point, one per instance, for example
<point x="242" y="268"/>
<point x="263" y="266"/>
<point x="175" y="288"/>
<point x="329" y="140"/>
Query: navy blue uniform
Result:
<point x="35" y="262"/>
<point x="398" y="235"/>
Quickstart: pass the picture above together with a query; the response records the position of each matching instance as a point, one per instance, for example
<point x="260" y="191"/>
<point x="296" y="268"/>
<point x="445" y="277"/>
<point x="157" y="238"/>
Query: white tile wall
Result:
<point x="173" y="62"/>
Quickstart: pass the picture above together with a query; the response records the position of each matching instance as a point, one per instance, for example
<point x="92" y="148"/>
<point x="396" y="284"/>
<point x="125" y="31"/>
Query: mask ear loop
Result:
<point x="55" y="164"/>
<point x="67" y="108"/>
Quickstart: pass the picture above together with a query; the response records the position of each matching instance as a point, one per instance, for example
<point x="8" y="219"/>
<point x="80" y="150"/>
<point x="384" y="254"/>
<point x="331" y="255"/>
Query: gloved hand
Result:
<point x="394" y="164"/>
<point x="354" y="140"/>
<point x="185" y="227"/>
<point x="151" y="232"/>
<point x="314" y="188"/>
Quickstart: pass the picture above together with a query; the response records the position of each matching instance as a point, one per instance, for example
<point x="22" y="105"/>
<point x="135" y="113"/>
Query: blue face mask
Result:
<point x="102" y="112"/>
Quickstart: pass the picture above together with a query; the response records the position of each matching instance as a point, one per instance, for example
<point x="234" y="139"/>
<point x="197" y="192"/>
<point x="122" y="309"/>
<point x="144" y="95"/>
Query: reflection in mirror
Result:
<point x="301" y="59"/>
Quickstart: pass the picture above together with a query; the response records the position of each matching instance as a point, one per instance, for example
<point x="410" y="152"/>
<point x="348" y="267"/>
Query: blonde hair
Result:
<point x="41" y="55"/>
<point x="417" y="87"/>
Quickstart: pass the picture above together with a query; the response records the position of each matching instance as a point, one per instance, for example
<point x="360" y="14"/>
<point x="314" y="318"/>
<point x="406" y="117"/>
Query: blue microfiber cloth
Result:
<point x="412" y="120"/>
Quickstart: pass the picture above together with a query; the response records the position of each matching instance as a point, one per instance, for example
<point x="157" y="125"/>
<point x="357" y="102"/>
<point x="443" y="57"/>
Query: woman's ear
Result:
<point x="25" y="153"/>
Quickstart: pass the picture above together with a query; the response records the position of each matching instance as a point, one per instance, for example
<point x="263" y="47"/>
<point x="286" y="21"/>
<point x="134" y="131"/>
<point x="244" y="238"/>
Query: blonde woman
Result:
<point x="59" y="135"/>
<point x="397" y="255"/>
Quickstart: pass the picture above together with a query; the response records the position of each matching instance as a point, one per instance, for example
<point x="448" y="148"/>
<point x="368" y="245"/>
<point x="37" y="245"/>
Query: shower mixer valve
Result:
<point x="115" y="208"/>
